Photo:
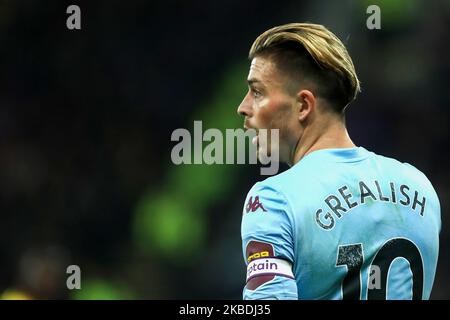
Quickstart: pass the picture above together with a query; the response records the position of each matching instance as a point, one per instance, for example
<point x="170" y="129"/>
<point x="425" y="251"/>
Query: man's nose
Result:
<point x="245" y="108"/>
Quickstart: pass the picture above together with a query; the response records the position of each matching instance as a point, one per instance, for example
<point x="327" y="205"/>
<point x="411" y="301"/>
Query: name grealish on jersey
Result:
<point x="343" y="200"/>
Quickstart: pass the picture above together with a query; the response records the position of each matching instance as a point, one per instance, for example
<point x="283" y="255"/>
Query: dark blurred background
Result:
<point x="86" y="118"/>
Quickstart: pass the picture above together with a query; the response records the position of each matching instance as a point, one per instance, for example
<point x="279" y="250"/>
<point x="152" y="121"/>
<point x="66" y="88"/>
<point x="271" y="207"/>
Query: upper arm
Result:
<point x="268" y="245"/>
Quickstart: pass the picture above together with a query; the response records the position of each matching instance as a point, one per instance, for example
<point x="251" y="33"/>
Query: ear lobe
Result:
<point x="307" y="103"/>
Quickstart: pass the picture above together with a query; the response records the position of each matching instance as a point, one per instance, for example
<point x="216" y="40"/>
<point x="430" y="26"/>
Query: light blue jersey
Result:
<point x="342" y="224"/>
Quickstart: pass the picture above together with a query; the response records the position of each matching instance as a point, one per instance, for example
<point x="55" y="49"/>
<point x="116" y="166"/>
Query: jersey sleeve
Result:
<point x="268" y="245"/>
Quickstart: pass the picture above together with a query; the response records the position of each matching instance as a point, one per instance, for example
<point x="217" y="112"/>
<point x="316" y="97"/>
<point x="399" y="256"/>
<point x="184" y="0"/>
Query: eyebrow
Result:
<point x="252" y="81"/>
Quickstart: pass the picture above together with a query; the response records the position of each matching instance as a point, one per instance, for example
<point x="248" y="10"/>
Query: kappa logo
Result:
<point x="252" y="206"/>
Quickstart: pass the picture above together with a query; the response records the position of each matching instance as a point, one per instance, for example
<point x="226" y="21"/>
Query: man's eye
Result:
<point x="256" y="93"/>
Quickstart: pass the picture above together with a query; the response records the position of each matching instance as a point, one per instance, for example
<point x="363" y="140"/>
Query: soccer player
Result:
<point x="342" y="222"/>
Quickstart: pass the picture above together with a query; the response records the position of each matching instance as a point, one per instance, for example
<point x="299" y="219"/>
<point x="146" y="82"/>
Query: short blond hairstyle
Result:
<point x="314" y="53"/>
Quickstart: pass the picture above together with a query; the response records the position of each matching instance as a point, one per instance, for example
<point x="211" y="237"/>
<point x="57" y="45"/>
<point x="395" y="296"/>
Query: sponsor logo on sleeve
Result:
<point x="269" y="266"/>
<point x="263" y="266"/>
<point x="253" y="205"/>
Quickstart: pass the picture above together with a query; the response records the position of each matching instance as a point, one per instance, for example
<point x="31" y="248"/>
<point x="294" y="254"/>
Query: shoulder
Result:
<point x="267" y="201"/>
<point x="264" y="195"/>
<point x="272" y="189"/>
<point x="404" y="169"/>
<point x="281" y="189"/>
<point x="295" y="181"/>
<point x="408" y="173"/>
<point x="267" y="218"/>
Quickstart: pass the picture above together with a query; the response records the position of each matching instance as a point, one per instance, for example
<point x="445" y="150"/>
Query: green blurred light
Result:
<point x="97" y="289"/>
<point x="169" y="225"/>
<point x="173" y="221"/>
<point x="396" y="13"/>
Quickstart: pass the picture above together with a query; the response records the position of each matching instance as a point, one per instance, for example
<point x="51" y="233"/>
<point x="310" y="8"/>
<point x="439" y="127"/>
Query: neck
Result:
<point x="315" y="138"/>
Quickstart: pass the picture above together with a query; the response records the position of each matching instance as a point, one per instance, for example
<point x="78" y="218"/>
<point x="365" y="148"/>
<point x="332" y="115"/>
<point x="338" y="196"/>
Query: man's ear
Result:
<point x="307" y="103"/>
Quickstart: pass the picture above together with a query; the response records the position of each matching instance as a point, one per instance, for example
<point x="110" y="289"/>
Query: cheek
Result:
<point x="273" y="113"/>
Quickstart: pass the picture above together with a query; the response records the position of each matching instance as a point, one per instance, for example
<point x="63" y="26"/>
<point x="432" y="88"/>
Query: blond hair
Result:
<point x="328" y="53"/>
